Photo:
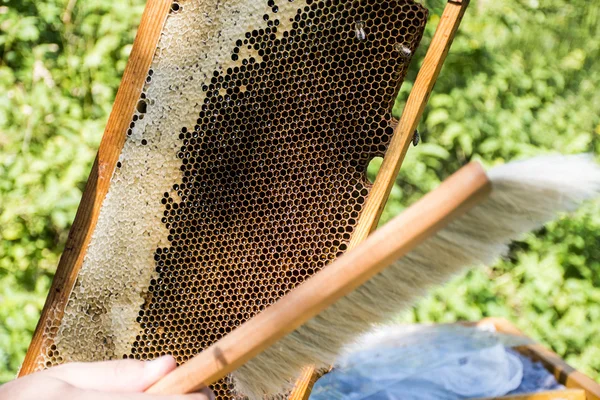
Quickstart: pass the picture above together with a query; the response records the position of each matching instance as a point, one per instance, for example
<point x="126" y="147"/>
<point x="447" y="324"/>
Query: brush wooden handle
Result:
<point x="451" y="199"/>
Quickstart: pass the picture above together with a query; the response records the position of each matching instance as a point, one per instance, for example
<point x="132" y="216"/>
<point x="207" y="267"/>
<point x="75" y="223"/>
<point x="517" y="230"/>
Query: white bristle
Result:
<point x="525" y="195"/>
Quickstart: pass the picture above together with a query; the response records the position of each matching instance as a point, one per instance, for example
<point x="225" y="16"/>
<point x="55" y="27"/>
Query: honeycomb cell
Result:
<point x="240" y="177"/>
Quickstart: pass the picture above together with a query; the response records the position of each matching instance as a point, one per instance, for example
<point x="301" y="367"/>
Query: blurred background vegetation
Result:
<point x="522" y="79"/>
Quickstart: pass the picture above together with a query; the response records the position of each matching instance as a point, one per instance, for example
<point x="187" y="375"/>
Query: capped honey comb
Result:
<point x="243" y="171"/>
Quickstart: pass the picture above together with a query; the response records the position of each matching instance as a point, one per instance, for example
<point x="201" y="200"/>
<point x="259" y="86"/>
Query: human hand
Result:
<point x="108" y="380"/>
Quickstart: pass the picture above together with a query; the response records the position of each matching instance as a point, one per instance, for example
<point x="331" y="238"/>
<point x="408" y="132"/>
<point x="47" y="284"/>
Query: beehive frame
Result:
<point x="126" y="102"/>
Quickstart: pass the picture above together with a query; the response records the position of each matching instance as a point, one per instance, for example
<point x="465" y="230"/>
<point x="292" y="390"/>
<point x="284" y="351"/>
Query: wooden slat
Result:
<point x="304" y="384"/>
<point x="401" y="139"/>
<point x="568" y="394"/>
<point x="563" y="372"/>
<point x="98" y="182"/>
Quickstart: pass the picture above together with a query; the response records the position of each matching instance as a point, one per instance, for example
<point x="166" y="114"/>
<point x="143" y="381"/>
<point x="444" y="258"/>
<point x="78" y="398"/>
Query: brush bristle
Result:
<point x="525" y="195"/>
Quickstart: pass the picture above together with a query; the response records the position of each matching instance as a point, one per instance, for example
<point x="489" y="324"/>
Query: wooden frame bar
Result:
<point x="567" y="394"/>
<point x="411" y="116"/>
<point x="128" y="95"/>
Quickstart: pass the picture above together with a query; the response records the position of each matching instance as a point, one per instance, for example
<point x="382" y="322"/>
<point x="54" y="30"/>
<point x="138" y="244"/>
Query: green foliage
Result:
<point x="521" y="79"/>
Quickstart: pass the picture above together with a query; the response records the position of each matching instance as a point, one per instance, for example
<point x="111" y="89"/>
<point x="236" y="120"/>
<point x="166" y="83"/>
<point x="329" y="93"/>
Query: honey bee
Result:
<point x="359" y="27"/>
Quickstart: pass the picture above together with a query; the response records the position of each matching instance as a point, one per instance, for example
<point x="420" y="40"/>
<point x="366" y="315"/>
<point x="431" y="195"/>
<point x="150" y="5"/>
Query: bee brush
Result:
<point x="468" y="220"/>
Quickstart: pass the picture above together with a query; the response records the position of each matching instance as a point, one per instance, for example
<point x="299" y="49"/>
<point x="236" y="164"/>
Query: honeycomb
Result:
<point x="243" y="171"/>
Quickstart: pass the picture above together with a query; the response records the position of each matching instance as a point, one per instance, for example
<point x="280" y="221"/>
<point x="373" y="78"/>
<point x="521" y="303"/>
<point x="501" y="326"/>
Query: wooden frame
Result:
<point x="563" y="372"/>
<point x="139" y="63"/>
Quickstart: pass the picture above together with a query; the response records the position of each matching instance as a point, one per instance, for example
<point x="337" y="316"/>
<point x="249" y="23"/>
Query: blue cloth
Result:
<point x="535" y="377"/>
<point x="432" y="363"/>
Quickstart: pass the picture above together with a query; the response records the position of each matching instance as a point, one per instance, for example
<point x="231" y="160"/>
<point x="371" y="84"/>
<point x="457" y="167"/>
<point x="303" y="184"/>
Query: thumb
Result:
<point x="124" y="376"/>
